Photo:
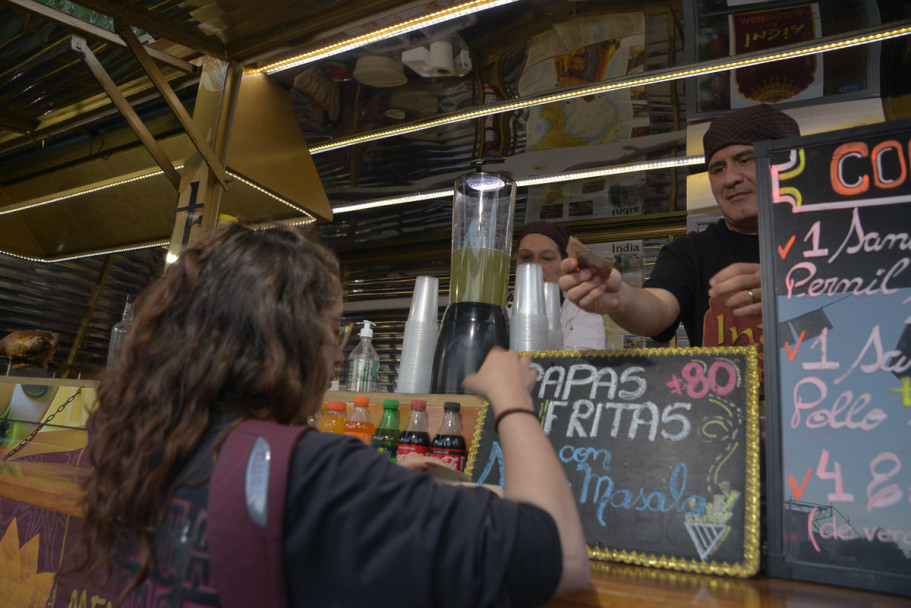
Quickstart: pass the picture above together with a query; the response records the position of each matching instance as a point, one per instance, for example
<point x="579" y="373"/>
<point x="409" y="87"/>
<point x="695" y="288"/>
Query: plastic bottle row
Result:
<point x="387" y="437"/>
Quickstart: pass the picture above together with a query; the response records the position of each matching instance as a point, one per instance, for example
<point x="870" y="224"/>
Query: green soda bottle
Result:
<point x="386" y="436"/>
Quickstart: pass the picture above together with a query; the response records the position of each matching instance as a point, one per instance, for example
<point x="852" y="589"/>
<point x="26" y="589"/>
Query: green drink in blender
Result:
<point x="474" y="321"/>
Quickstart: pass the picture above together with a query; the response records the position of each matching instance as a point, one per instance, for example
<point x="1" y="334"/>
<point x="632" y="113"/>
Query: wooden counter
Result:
<point x="640" y="587"/>
<point x="48" y="492"/>
<point x="45" y="495"/>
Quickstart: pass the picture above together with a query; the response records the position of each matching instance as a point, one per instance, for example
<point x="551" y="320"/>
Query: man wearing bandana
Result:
<point x="709" y="280"/>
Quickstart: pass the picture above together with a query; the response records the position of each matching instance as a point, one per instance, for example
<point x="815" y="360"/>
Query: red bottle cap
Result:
<point x="337" y="405"/>
<point x="418" y="404"/>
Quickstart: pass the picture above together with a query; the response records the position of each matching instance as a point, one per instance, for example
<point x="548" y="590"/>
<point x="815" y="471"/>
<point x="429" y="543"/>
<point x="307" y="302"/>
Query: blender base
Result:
<point x="467" y="333"/>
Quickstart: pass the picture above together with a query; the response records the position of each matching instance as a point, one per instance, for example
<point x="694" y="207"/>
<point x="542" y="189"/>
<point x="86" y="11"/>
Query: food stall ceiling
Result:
<point x="53" y="114"/>
<point x="57" y="127"/>
<point x="82" y="207"/>
<point x="56" y="120"/>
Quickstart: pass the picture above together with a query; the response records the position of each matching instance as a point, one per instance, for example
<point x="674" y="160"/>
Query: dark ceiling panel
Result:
<point x="55" y="116"/>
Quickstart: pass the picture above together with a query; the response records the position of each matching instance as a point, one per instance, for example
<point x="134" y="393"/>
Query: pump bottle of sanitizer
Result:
<point x="363" y="363"/>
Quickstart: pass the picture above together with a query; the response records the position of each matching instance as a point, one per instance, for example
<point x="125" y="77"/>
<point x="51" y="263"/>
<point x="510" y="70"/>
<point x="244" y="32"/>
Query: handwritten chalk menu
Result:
<point x="835" y="223"/>
<point x="660" y="447"/>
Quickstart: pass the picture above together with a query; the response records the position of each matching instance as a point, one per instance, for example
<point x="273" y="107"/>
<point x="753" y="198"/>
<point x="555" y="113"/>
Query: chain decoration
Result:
<point x="41" y="425"/>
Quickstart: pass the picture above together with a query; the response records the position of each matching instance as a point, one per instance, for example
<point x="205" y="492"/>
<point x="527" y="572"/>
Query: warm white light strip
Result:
<point x="171" y="258"/>
<point x="615" y="170"/>
<point x="404" y="27"/>
<point x="393" y="200"/>
<point x="302" y="222"/>
<point x="70" y="195"/>
<point x="88" y="255"/>
<point x="699" y="69"/>
<point x="309" y="219"/>
<point x="532" y="181"/>
<point x="271" y="195"/>
<point x="41" y="202"/>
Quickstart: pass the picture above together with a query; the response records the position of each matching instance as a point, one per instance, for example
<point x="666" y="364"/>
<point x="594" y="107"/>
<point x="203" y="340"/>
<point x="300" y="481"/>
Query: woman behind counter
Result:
<point x="245" y="326"/>
<point x="544" y="243"/>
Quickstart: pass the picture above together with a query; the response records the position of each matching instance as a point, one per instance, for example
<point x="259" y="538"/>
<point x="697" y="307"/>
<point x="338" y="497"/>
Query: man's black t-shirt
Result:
<point x="685" y="266"/>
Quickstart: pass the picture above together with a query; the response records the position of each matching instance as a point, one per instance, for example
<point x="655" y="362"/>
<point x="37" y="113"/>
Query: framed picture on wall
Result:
<point x="718" y="29"/>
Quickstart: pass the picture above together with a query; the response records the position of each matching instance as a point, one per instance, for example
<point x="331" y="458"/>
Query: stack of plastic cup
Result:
<point x="420" y="338"/>
<point x="554" y="321"/>
<point x="528" y="325"/>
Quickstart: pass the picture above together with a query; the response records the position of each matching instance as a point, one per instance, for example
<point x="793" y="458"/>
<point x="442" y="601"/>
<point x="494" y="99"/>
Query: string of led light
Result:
<point x="385" y="33"/>
<point x="822" y="45"/>
<point x="531" y="181"/>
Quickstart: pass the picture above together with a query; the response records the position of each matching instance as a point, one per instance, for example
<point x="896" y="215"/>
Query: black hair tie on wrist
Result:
<point x="505" y="413"/>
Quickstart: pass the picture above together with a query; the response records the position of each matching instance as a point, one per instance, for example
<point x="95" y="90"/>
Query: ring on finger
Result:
<point x="752" y="296"/>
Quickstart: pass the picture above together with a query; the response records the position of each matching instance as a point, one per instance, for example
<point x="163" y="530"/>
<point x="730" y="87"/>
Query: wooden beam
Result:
<point x="110" y="87"/>
<point x="51" y="486"/>
<point x="85" y="112"/>
<point x="92" y="31"/>
<point x="198" y="196"/>
<point x="157" y="25"/>
<point x="17" y="124"/>
<point x="89" y="313"/>
<point x="216" y="167"/>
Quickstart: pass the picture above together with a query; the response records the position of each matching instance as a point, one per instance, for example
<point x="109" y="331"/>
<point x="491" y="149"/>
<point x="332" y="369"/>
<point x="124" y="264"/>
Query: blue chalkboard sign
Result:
<point x="835" y="234"/>
<point x="661" y="449"/>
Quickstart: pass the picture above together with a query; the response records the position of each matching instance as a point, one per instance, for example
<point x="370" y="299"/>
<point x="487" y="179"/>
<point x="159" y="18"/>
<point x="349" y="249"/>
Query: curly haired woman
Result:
<point x="244" y="326"/>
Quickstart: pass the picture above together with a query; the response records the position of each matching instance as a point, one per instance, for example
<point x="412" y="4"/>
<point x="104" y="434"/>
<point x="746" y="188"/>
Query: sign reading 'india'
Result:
<point x="660" y="447"/>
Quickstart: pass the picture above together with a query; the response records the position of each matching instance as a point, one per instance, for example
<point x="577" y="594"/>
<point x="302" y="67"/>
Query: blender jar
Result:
<point x="474" y="321"/>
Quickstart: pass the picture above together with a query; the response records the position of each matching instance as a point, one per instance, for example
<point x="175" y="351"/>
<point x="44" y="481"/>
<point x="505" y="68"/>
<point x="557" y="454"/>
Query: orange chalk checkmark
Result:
<point x="799" y="492"/>
<point x="783" y="251"/>
<point x="787" y="347"/>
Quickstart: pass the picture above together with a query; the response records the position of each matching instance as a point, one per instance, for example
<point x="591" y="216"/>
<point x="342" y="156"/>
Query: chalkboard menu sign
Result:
<point x="835" y="228"/>
<point x="660" y="447"/>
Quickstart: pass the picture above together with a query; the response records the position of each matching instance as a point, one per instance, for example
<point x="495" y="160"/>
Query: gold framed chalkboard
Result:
<point x="661" y="449"/>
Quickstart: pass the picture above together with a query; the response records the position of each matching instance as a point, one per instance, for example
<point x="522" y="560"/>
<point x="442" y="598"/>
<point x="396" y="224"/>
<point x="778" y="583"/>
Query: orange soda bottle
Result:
<point x="333" y="421"/>
<point x="358" y="423"/>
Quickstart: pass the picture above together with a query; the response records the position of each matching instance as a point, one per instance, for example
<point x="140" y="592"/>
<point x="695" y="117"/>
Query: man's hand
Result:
<point x="589" y="291"/>
<point x="739" y="284"/>
<point x="642" y="311"/>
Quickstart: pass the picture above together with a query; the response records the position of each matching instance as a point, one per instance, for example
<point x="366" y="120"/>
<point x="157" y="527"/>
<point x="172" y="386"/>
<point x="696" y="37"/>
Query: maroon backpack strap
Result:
<point x="246" y="510"/>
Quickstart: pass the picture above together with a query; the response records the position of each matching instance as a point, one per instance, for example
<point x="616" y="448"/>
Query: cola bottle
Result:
<point x="449" y="444"/>
<point x="415" y="439"/>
